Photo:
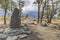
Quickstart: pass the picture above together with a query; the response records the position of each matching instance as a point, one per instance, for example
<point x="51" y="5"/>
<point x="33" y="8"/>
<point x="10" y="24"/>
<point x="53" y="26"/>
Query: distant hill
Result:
<point x="30" y="13"/>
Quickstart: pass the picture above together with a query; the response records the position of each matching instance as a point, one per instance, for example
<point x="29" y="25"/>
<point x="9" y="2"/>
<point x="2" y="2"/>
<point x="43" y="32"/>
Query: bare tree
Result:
<point x="39" y="6"/>
<point x="21" y="4"/>
<point x="43" y="11"/>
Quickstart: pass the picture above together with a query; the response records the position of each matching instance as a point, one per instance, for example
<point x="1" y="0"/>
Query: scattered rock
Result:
<point x="22" y="36"/>
<point x="11" y="38"/>
<point x="25" y="28"/>
<point x="27" y="32"/>
<point x="35" y="23"/>
<point x="44" y="23"/>
<point x="3" y="37"/>
<point x="51" y="25"/>
<point x="1" y="30"/>
<point x="54" y="26"/>
<point x="7" y="30"/>
<point x="14" y="32"/>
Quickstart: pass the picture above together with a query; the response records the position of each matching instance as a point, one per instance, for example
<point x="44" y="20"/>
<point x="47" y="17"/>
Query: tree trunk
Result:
<point x="42" y="15"/>
<point x="43" y="12"/>
<point x="11" y="5"/>
<point x="38" y="12"/>
<point x="52" y="13"/>
<point x="48" y="15"/>
<point x="49" y="20"/>
<point x="5" y="17"/>
<point x="20" y="12"/>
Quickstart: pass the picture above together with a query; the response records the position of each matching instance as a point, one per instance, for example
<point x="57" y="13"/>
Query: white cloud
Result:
<point x="29" y="6"/>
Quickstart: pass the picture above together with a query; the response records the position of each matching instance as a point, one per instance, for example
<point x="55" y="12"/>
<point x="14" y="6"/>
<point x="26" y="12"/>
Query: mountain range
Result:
<point x="30" y="13"/>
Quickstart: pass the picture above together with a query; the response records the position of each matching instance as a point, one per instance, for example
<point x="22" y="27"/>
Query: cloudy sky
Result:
<point x="29" y="6"/>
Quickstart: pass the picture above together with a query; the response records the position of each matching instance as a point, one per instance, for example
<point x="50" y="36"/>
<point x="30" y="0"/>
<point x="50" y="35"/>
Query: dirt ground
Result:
<point x="45" y="33"/>
<point x="41" y="33"/>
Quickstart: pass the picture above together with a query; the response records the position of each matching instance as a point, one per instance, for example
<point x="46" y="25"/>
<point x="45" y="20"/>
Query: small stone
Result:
<point x="22" y="36"/>
<point x="34" y="23"/>
<point x="50" y="25"/>
<point x="25" y="28"/>
<point x="11" y="38"/>
<point x="27" y="32"/>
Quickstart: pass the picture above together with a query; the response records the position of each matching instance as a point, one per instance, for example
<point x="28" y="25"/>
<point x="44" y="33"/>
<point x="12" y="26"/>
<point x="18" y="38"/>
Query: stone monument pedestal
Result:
<point x="15" y="30"/>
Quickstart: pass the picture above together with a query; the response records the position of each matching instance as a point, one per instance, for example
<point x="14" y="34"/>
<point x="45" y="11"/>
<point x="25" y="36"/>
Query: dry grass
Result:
<point x="23" y="18"/>
<point x="56" y="21"/>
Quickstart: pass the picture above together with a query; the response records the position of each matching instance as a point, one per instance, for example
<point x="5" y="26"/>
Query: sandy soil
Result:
<point x="44" y="33"/>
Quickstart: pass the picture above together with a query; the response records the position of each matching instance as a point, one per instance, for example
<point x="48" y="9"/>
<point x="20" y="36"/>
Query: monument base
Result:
<point x="9" y="33"/>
